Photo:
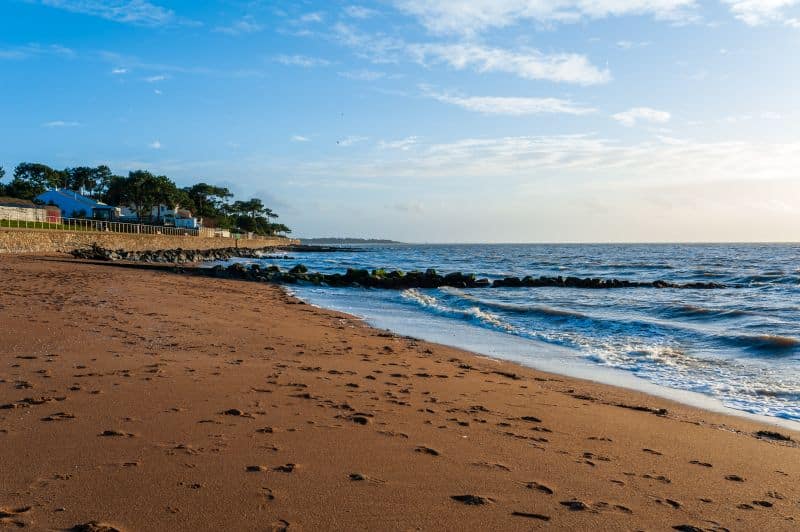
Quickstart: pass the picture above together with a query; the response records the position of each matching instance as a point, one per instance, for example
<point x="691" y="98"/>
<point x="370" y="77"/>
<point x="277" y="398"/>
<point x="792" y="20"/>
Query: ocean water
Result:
<point x="738" y="346"/>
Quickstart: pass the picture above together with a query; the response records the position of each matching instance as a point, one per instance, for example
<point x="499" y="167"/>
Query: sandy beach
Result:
<point x="145" y="400"/>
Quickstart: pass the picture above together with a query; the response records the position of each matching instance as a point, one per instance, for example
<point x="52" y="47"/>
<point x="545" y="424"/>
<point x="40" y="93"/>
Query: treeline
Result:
<point x="143" y="191"/>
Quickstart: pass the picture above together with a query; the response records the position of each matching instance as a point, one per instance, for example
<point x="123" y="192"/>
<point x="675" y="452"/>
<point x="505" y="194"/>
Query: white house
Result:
<point x="167" y="215"/>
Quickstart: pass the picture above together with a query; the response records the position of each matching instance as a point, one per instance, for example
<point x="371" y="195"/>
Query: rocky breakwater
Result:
<point x="168" y="256"/>
<point x="398" y="280"/>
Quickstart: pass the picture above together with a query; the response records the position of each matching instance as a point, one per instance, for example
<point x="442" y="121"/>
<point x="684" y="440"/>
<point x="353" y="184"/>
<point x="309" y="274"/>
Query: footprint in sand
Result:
<point x="281" y="525"/>
<point x="426" y="450"/>
<point x="94" y="526"/>
<point x="59" y="416"/>
<point x="116" y="434"/>
<point x="471" y="500"/>
<point x="11" y="517"/>
<point x="490" y="465"/>
<point x="539" y="487"/>
<point x="528" y="515"/>
<point x="235" y="412"/>
<point x="763" y="504"/>
<point x="698" y="462"/>
<point x="660" y="478"/>
<point x="670" y="502"/>
<point x="575" y="505"/>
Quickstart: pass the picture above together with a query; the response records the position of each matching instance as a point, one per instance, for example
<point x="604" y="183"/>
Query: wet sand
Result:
<point x="146" y="400"/>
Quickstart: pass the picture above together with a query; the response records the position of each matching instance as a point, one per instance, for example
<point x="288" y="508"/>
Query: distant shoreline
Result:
<point x="332" y="240"/>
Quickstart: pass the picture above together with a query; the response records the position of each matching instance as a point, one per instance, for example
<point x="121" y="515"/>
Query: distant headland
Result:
<point x="345" y="240"/>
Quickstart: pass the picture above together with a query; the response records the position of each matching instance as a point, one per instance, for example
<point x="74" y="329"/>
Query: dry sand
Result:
<point x="152" y="401"/>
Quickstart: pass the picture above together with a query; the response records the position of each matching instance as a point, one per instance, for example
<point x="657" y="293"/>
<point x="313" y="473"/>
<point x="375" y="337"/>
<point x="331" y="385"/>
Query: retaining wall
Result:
<point x="23" y="214"/>
<point x="50" y="241"/>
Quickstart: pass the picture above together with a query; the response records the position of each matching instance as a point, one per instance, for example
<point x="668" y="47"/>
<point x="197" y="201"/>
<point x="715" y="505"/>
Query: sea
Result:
<point x="735" y="349"/>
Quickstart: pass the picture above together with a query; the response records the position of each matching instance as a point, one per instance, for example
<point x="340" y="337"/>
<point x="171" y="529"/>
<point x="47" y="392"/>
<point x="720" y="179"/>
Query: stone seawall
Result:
<point x="49" y="241"/>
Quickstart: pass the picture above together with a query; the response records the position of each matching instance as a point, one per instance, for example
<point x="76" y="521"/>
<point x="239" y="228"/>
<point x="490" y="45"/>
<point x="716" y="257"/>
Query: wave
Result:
<point x="702" y="313"/>
<point x="767" y="278"/>
<point x="474" y="313"/>
<point x="516" y="309"/>
<point x="768" y="344"/>
<point x="638" y="266"/>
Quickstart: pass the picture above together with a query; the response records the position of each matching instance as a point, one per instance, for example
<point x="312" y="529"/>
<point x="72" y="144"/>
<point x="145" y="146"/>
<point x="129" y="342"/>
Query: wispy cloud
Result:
<point x="359" y="12"/>
<point x="633" y="116"/>
<point x="401" y="144"/>
<point x="761" y="12"/>
<point x="61" y="123"/>
<point x="522" y="158"/>
<point x="35" y="49"/>
<point x="470" y="17"/>
<point x="242" y="26"/>
<point x="119" y="71"/>
<point x="156" y="145"/>
<point x="138" y="12"/>
<point x="351" y="140"/>
<point x="630" y="45"/>
<point x="155" y="79"/>
<point x="299" y="138"/>
<point x="313" y="17"/>
<point x="510" y="106"/>
<point x="363" y="75"/>
<point x="526" y="63"/>
<point x="301" y="61"/>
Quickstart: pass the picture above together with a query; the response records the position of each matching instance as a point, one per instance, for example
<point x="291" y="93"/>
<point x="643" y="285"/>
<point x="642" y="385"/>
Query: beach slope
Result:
<point x="147" y="400"/>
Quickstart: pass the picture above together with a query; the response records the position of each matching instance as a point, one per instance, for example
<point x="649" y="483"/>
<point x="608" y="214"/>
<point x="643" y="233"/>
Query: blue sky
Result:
<point x="424" y="120"/>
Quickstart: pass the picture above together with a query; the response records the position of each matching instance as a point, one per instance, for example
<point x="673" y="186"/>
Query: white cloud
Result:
<point x="359" y="12"/>
<point x="301" y="61"/>
<point x="119" y="71"/>
<point x="314" y="17"/>
<point x="35" y="49"/>
<point x="629" y="45"/>
<point x="139" y="12"/>
<point x="155" y="79"/>
<point x="765" y="115"/>
<point x="299" y="138"/>
<point x="526" y="64"/>
<point x="631" y="117"/>
<point x="402" y="144"/>
<point x="156" y="145"/>
<point x="350" y="140"/>
<point x="468" y="17"/>
<point x="760" y="12"/>
<point x="242" y="26"/>
<point x="12" y="54"/>
<point x="363" y="75"/>
<point x="511" y="106"/>
<point x="61" y="123"/>
<point x="523" y="159"/>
